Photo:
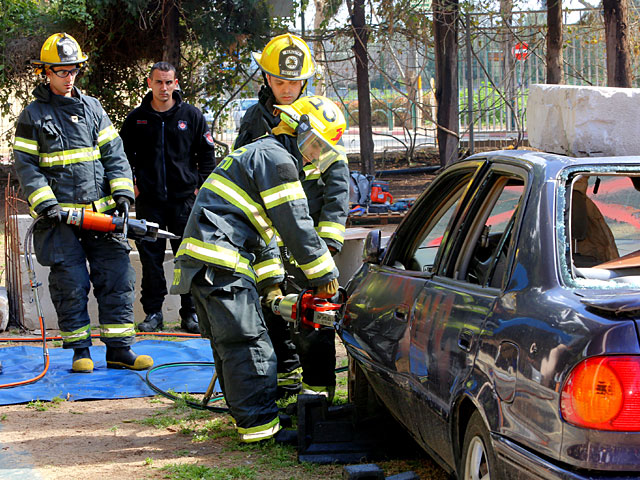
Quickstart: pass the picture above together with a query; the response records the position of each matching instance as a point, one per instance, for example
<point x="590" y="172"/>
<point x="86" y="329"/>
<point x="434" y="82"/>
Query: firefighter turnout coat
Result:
<point x="327" y="191"/>
<point x="68" y="152"/>
<point x="254" y="192"/>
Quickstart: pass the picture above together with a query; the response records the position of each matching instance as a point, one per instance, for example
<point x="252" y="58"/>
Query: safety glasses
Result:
<point x="65" y="73"/>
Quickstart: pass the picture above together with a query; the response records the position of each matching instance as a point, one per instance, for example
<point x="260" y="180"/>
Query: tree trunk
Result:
<point x="555" y="72"/>
<point x="171" y="33"/>
<point x="445" y="33"/>
<point x="617" y="34"/>
<point x="361" y="35"/>
<point x="318" y="48"/>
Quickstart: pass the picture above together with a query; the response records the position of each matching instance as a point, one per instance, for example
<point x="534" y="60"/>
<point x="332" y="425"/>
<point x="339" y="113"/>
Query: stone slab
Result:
<point x="584" y="121"/>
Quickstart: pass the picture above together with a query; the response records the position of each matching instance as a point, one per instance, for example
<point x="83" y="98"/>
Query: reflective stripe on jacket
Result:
<point x="68" y="152"/>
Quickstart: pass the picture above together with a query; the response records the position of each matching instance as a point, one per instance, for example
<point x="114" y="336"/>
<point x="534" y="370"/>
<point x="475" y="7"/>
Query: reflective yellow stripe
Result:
<point x="311" y="172"/>
<point x="287" y="192"/>
<point x="319" y="267"/>
<point x="177" y="274"/>
<point x="269" y="268"/>
<point x="253" y="434"/>
<point x="79" y="334"/>
<point x="107" y="135"/>
<point x="331" y="230"/>
<point x="67" y="157"/>
<point x="41" y="195"/>
<point x="216" y="255"/>
<point x="122" y="183"/>
<point x="234" y="195"/>
<point x="104" y="204"/>
<point x="26" y="145"/>
<point x="117" y="330"/>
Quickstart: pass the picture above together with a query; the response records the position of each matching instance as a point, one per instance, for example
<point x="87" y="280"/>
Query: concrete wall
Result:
<point x="584" y="121"/>
<point x="348" y="261"/>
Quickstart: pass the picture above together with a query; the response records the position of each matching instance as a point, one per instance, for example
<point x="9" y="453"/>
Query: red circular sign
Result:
<point x="521" y="51"/>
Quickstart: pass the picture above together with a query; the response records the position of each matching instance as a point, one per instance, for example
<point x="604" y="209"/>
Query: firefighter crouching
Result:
<point x="69" y="155"/>
<point x="229" y="254"/>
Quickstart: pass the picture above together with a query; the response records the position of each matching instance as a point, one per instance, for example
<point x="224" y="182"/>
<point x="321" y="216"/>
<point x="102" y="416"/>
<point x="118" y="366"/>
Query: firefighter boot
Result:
<point x="82" y="362"/>
<point x="124" y="357"/>
<point x="154" y="322"/>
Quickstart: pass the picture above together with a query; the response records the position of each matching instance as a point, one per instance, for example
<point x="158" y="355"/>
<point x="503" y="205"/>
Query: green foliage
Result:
<point x="197" y="472"/>
<point x="123" y="38"/>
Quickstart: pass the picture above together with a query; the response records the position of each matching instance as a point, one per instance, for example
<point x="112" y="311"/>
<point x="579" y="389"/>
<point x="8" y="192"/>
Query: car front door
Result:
<point x="450" y="311"/>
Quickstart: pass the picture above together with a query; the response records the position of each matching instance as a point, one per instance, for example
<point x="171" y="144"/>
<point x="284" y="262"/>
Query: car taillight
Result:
<point x="603" y="393"/>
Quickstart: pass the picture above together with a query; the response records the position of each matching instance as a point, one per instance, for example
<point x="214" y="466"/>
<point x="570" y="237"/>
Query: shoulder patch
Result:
<point x="287" y="172"/>
<point x="209" y="138"/>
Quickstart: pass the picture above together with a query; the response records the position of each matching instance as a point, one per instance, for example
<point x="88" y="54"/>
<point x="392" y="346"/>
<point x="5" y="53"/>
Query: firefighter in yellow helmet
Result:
<point x="308" y="362"/>
<point x="68" y="154"/>
<point x="228" y="255"/>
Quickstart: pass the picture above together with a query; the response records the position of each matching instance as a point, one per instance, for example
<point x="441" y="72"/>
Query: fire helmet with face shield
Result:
<point x="319" y="124"/>
<point x="286" y="56"/>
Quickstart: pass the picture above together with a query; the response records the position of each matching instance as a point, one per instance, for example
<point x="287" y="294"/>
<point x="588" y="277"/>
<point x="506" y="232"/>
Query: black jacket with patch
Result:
<point x="171" y="153"/>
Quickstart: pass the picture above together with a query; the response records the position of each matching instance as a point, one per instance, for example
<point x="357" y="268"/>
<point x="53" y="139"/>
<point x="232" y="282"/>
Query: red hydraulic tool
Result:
<point x="129" y="227"/>
<point x="306" y="309"/>
<point x="380" y="192"/>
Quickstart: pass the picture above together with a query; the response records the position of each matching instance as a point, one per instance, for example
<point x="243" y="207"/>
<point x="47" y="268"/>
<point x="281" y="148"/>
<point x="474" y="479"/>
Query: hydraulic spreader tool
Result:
<point x="135" y="229"/>
<point x="305" y="309"/>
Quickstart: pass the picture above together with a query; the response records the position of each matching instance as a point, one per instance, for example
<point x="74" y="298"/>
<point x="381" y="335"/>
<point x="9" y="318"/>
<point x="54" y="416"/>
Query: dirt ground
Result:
<point x="149" y="438"/>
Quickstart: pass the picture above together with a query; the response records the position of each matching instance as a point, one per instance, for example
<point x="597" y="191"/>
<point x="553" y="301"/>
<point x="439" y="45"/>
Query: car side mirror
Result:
<point x="372" y="247"/>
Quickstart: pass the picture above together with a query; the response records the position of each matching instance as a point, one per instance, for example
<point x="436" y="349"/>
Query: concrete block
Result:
<point x="367" y="471"/>
<point x="584" y="121"/>
<point x="4" y="309"/>
<point x="170" y="308"/>
<point x="347" y="261"/>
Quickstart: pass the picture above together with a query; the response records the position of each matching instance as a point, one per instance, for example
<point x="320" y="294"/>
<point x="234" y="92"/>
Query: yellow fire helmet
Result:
<point x="59" y="49"/>
<point x="286" y="56"/>
<point x="319" y="125"/>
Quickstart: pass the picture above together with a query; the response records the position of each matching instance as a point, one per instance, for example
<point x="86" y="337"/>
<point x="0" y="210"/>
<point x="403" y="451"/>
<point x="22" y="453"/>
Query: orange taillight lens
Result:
<point x="604" y="393"/>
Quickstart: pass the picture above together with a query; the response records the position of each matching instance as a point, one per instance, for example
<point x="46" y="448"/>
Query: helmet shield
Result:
<point x="316" y="149"/>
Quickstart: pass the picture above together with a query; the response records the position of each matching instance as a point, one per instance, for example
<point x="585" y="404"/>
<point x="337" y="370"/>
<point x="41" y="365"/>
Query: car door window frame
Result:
<point x="410" y="234"/>
<point x="453" y="266"/>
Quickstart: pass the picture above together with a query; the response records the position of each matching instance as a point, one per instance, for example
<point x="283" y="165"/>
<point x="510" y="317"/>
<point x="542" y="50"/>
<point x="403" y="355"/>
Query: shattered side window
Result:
<point x="600" y="230"/>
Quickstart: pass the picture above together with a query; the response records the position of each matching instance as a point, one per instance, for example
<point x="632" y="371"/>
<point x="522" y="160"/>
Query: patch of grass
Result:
<point x="56" y="400"/>
<point x="213" y="429"/>
<point x="196" y="472"/>
<point x="38" y="405"/>
<point x="148" y="461"/>
<point x="182" y="453"/>
<point x="3" y="417"/>
<point x="178" y="413"/>
<point x="269" y="454"/>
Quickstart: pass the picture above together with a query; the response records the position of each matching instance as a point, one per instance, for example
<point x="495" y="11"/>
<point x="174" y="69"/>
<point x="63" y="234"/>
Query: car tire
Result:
<point x="477" y="460"/>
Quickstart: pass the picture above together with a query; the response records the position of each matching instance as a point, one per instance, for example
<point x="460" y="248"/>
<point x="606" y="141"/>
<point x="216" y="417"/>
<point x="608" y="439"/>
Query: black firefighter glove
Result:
<point x="122" y="204"/>
<point x="53" y="214"/>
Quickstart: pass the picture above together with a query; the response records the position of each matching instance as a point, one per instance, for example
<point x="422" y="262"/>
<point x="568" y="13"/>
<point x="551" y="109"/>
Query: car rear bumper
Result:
<point x="519" y="463"/>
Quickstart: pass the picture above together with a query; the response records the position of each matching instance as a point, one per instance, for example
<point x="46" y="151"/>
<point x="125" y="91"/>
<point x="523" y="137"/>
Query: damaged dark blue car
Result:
<point x="500" y="324"/>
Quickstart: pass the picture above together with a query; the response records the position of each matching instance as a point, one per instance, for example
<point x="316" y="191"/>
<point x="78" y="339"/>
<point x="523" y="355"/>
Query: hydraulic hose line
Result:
<point x="28" y="258"/>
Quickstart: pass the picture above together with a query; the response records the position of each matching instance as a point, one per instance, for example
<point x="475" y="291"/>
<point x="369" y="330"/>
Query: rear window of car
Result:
<point x="600" y="233"/>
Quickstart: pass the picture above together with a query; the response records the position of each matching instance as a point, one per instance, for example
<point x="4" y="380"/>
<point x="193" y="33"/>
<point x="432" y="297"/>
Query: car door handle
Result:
<point x="465" y="339"/>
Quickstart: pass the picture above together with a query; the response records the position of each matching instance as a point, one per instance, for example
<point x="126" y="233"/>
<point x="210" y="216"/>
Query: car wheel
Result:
<point x="478" y="461"/>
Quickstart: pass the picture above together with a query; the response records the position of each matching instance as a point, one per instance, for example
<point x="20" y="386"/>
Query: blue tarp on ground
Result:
<point x="23" y="363"/>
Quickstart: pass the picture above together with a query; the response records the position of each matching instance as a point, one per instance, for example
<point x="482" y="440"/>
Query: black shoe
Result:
<point x="153" y="323"/>
<point x="124" y="357"/>
<point x="190" y="323"/>
<point x="286" y="437"/>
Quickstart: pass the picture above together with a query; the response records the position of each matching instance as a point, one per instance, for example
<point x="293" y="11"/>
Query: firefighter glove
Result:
<point x="122" y="203"/>
<point x="53" y="213"/>
<point x="328" y="290"/>
<point x="270" y="294"/>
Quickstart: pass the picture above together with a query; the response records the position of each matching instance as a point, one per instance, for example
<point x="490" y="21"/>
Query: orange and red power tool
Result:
<point x="305" y="309"/>
<point x="135" y="229"/>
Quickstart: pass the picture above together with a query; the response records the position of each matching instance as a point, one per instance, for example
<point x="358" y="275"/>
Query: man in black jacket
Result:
<point x="171" y="152"/>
